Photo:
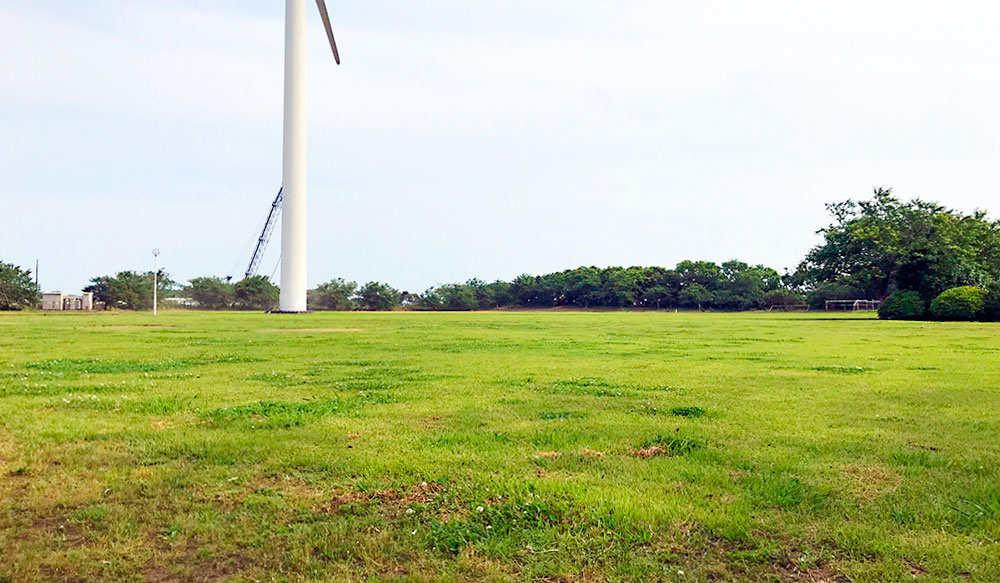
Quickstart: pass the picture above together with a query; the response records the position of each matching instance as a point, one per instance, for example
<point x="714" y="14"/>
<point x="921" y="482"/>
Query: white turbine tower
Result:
<point x="293" y="219"/>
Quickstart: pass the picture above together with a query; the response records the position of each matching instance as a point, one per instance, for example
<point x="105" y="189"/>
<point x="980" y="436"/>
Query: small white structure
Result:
<point x="59" y="301"/>
<point x="852" y="305"/>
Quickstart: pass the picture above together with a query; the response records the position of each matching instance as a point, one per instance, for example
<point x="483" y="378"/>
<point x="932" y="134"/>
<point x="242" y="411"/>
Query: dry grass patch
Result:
<point x="131" y="327"/>
<point x="422" y="493"/>
<point x="868" y="482"/>
<point x="652" y="451"/>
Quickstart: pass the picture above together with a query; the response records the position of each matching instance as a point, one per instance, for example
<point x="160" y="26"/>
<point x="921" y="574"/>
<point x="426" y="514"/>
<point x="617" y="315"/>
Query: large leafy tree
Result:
<point x="212" y="293"/>
<point x="742" y="287"/>
<point x="255" y="293"/>
<point x="336" y="294"/>
<point x="583" y="287"/>
<point x="458" y="297"/>
<point x="17" y="290"/>
<point x="130" y="290"/>
<point x="882" y="245"/>
<point x="485" y="294"/>
<point x="375" y="296"/>
<point x="126" y="290"/>
<point x="695" y="295"/>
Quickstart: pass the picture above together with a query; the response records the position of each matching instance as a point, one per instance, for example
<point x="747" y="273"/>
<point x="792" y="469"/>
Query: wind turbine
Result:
<point x="293" y="219"/>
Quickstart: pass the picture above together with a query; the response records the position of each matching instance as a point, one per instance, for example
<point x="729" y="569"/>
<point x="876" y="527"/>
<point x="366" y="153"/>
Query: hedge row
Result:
<point x="966" y="303"/>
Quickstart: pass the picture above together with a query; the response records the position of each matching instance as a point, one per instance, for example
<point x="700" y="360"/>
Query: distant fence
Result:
<point x="852" y="305"/>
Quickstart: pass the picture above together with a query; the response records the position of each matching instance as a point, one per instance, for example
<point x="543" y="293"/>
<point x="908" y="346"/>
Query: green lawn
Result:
<point x="537" y="446"/>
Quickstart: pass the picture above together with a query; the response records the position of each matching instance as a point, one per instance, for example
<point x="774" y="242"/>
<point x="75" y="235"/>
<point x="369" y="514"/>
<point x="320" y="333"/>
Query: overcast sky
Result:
<point x="483" y="139"/>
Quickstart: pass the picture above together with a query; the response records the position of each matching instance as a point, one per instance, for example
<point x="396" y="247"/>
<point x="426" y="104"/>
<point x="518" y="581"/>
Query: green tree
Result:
<point x="458" y="297"/>
<point x="336" y="295"/>
<point x="694" y="295"/>
<point x="991" y="303"/>
<point x="882" y="245"/>
<point x="256" y="293"/>
<point x="212" y="293"/>
<point x="783" y="298"/>
<point x="17" y="290"/>
<point x="619" y="287"/>
<point x="430" y="300"/>
<point x="101" y="288"/>
<point x="500" y="291"/>
<point x="129" y="290"/>
<point x="485" y="294"/>
<point x="375" y="296"/>
<point x="703" y="273"/>
<point x="658" y="287"/>
<point x="583" y="287"/>
<point x="658" y="296"/>
<point x="523" y="290"/>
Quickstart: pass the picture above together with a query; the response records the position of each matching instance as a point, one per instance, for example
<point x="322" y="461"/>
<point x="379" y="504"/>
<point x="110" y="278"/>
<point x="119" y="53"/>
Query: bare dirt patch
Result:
<point x="817" y="574"/>
<point x="57" y="529"/>
<point x="915" y="568"/>
<point x="187" y="567"/>
<point x="315" y="330"/>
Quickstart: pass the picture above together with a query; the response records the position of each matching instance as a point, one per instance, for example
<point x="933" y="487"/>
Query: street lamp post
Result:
<point x="156" y="253"/>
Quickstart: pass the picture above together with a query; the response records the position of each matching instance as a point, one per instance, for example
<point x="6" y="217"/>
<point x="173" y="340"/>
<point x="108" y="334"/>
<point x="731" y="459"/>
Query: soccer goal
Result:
<point x="852" y="305"/>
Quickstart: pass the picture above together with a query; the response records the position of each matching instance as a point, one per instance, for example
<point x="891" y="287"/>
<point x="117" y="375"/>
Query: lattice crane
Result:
<point x="265" y="236"/>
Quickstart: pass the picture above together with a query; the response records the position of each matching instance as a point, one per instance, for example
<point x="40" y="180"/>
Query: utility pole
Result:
<point x="156" y="253"/>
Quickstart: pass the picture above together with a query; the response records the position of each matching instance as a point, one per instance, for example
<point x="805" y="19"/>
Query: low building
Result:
<point x="59" y="301"/>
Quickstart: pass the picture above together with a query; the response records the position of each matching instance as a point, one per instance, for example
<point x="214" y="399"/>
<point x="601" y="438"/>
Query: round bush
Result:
<point x="959" y="303"/>
<point x="904" y="305"/>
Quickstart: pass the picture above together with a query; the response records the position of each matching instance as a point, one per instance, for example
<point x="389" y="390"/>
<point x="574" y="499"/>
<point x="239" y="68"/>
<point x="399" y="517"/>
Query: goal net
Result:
<point x="852" y="305"/>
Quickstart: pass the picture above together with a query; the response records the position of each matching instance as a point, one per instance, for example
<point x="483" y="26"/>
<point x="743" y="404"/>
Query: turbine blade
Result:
<point x="321" y="4"/>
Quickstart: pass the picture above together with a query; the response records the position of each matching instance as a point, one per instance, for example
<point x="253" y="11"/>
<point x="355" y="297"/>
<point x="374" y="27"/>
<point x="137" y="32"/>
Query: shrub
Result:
<point x="991" y="303"/>
<point x="959" y="303"/>
<point x="903" y="305"/>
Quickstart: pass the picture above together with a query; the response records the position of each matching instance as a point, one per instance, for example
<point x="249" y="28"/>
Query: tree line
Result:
<point x="872" y="249"/>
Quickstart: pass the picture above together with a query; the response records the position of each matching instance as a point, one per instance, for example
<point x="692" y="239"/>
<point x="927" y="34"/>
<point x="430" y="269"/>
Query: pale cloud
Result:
<point x="486" y="139"/>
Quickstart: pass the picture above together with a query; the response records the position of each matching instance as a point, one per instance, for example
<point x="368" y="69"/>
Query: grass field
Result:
<point x="539" y="446"/>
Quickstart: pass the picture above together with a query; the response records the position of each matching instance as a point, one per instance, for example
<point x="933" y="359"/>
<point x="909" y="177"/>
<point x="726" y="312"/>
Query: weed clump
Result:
<point x="587" y="386"/>
<point x="517" y="519"/>
<point x="841" y="369"/>
<point x="272" y="414"/>
<point x="690" y="412"/>
<point x="550" y="415"/>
